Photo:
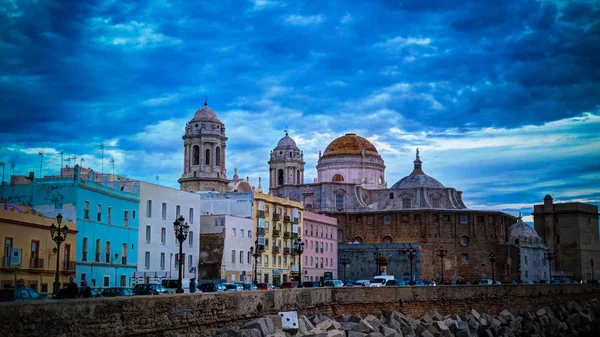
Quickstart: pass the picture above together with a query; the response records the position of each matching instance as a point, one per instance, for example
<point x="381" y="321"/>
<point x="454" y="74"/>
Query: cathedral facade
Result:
<point x="417" y="211"/>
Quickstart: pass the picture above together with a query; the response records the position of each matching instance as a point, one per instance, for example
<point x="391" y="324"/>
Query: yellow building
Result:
<point x="21" y="227"/>
<point x="277" y="230"/>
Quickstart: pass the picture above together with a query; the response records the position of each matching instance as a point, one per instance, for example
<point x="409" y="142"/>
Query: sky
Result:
<point x="501" y="97"/>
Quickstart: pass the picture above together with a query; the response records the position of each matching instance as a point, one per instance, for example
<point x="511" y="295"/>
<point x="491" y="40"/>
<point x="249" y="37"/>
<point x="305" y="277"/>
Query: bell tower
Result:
<point x="286" y="165"/>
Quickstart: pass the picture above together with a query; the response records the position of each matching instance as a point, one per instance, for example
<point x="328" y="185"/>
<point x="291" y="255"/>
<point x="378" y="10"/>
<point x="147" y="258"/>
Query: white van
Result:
<point x="380" y="280"/>
<point x="171" y="285"/>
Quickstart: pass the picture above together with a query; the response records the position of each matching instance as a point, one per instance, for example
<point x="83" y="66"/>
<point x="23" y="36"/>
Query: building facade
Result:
<point x="157" y="243"/>
<point x="571" y="232"/>
<point x="105" y="212"/>
<point x="278" y="225"/>
<point x="320" y="257"/>
<point x="528" y="250"/>
<point x="204" y="144"/>
<point x="22" y="227"/>
<point x="226" y="254"/>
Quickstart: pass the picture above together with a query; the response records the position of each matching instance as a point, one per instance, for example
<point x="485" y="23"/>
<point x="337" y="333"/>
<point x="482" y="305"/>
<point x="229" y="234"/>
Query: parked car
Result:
<point x="380" y="280"/>
<point x="116" y="291"/>
<point x="485" y="281"/>
<point x="211" y="287"/>
<point x="289" y="285"/>
<point x="392" y="283"/>
<point x="249" y="286"/>
<point x="23" y="294"/>
<point x="233" y="287"/>
<point x="149" y="289"/>
<point x="363" y="283"/>
<point x="264" y="286"/>
<point x="172" y="284"/>
<point x="333" y="283"/>
<point x="310" y="284"/>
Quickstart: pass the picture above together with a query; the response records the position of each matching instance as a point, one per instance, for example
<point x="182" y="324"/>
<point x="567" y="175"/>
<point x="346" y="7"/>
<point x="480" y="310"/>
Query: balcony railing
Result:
<point x="296" y="220"/>
<point x="286" y="218"/>
<point x="260" y="214"/>
<point x="276" y="249"/>
<point x="36" y="263"/>
<point x="286" y="251"/>
<point x="124" y="260"/>
<point x="295" y="235"/>
<point x="276" y="216"/>
<point x="68" y="265"/>
<point x="260" y="231"/>
<point x="287" y="235"/>
<point x="276" y="233"/>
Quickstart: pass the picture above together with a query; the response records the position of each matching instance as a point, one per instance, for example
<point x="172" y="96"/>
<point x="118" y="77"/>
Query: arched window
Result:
<point x="357" y="239"/>
<point x="308" y="208"/>
<point x="387" y="239"/>
<point x="218" y="156"/>
<point x="207" y="161"/>
<point x="196" y="155"/>
<point x="391" y="195"/>
<point x="280" y="177"/>
<point x="338" y="177"/>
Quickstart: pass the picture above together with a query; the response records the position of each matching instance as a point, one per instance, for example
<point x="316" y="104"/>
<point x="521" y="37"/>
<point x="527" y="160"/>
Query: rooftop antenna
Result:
<point x="112" y="162"/>
<point x="102" y="147"/>
<point x="286" y="130"/>
<point x="157" y="179"/>
<point x="41" y="155"/>
<point x="205" y="100"/>
<point x="61" y="162"/>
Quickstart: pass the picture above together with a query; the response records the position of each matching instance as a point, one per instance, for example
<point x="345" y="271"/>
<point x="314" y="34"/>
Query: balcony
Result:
<point x="276" y="216"/>
<point x="260" y="231"/>
<point x="124" y="260"/>
<point x="296" y="220"/>
<point x="276" y="249"/>
<point x="260" y="214"/>
<point x="69" y="266"/>
<point x="287" y="235"/>
<point x="286" y="218"/>
<point x="276" y="233"/>
<point x="286" y="251"/>
<point x="295" y="235"/>
<point x="36" y="263"/>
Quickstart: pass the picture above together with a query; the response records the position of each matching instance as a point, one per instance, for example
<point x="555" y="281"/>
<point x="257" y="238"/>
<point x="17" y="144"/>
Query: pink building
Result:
<point x="320" y="247"/>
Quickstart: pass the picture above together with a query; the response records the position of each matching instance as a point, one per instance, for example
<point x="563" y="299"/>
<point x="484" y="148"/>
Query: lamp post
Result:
<point x="299" y="246"/>
<point x="442" y="253"/>
<point x="492" y="260"/>
<point x="592" y="264"/>
<point x="344" y="262"/>
<point x="411" y="253"/>
<point x="59" y="235"/>
<point x="255" y="255"/>
<point x="550" y="257"/>
<point x="376" y="256"/>
<point x="181" y="232"/>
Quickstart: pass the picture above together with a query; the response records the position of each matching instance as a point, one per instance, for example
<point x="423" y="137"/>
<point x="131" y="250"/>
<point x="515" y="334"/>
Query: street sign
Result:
<point x="15" y="257"/>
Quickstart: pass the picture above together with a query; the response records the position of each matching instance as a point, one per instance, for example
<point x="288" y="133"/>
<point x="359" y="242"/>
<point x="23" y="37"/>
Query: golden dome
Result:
<point x="350" y="144"/>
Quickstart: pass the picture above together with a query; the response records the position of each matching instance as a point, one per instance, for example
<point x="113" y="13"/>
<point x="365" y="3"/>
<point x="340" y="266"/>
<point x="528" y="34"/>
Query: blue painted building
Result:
<point x="106" y="214"/>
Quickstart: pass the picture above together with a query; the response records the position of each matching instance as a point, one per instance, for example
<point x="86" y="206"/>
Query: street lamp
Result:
<point x="550" y="257"/>
<point x="492" y="260"/>
<point x="344" y="262"/>
<point x="59" y="235"/>
<point x="442" y="253"/>
<point x="411" y="253"/>
<point x="299" y="246"/>
<point x="181" y="232"/>
<point x="592" y="264"/>
<point x="255" y="255"/>
<point x="376" y="256"/>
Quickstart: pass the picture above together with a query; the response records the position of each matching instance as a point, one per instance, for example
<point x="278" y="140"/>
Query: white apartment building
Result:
<point x="237" y="238"/>
<point x="157" y="244"/>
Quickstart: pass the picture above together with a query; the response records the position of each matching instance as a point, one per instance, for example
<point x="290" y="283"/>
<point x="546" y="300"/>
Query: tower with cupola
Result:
<point x="286" y="165"/>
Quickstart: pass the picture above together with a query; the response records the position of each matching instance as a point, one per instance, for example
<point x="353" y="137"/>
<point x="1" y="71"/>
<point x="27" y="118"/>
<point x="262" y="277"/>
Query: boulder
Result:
<point x="389" y="332"/>
<point x="356" y="334"/>
<point x="336" y="333"/>
<point x="364" y="326"/>
<point x="426" y="319"/>
<point x="250" y="332"/>
<point x="262" y="325"/>
<point x="426" y="333"/>
<point x="304" y="325"/>
<point x="347" y="326"/>
<point x="475" y="314"/>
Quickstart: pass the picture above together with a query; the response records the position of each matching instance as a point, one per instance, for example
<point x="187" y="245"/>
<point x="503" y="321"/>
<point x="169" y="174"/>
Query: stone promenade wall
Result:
<point x="201" y="314"/>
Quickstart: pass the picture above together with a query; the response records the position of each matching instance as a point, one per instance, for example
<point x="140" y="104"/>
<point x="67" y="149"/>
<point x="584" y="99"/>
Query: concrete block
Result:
<point x="304" y="325"/>
<point x="364" y="326"/>
<point x="475" y="314"/>
<point x="375" y="334"/>
<point x="251" y="332"/>
<point x="388" y="332"/>
<point x="347" y="326"/>
<point x="440" y="325"/>
<point x="426" y="319"/>
<point x="356" y="334"/>
<point x="336" y="333"/>
<point x="260" y="324"/>
<point x="426" y="333"/>
<point x="289" y="322"/>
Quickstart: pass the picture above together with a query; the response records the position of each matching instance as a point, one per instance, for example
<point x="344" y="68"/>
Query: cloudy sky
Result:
<point x="502" y="97"/>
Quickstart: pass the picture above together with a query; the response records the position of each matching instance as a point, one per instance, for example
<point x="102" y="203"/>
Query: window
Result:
<point x="123" y="281"/>
<point x="147" y="260"/>
<point x="233" y="256"/>
<point x="463" y="219"/>
<point x="305" y="260"/>
<point x="106" y="281"/>
<point x="435" y="203"/>
<point x="234" y="231"/>
<point x="191" y="215"/>
<point x="164" y="210"/>
<point x="163" y="235"/>
<point x="525" y="259"/>
<point x="241" y="256"/>
<point x="311" y="260"/>
<point x="339" y="202"/>
<point x="124" y="254"/>
<point x="321" y="262"/>
<point x="85" y="249"/>
<point x="464" y="258"/>
<point x="177" y="211"/>
<point x="338" y="177"/>
<point x="391" y="195"/>
<point x="405" y="203"/>
<point x="148" y="233"/>
<point x="196" y="155"/>
<point x="558" y="239"/>
<point x="326" y="262"/>
<point x="207" y="161"/>
<point x="126" y="218"/>
<point x="190" y="261"/>
<point x="99" y="217"/>
<point x="86" y="210"/>
<point x="108" y="257"/>
<point x="321" y="247"/>
<point x="241" y="233"/>
<point x="98" y="250"/>
<point x="218" y="156"/>
<point x="249" y="256"/>
<point x="250" y="234"/>
<point x="191" y="238"/>
<point x="109" y="215"/>
<point x="162" y="261"/>
<point x="133" y="214"/>
<point x="267" y="260"/>
<point x="149" y="208"/>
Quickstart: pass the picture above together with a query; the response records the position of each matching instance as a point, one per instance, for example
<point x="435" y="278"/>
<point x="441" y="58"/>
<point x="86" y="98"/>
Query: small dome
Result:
<point x="418" y="180"/>
<point x="286" y="143"/>
<point x="521" y="230"/>
<point x="206" y="114"/>
<point x="350" y="143"/>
